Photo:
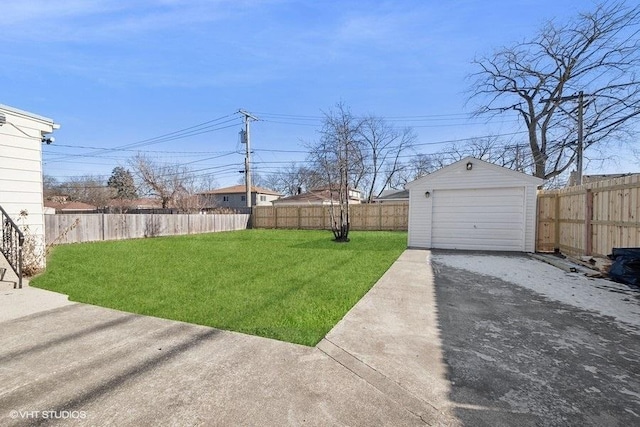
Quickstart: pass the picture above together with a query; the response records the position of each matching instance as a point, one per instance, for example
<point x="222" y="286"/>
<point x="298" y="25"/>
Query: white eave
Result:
<point x="26" y="114"/>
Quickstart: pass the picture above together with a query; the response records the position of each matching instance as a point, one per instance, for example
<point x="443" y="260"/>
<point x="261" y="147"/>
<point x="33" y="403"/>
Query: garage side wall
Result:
<point x="531" y="209"/>
<point x="456" y="177"/>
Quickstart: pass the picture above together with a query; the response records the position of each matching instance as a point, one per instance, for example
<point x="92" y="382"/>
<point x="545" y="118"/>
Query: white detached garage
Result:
<point x="473" y="205"/>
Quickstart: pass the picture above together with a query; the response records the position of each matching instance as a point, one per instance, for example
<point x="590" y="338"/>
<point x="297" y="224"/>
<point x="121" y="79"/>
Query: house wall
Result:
<point x="237" y="200"/>
<point x="21" y="170"/>
<point x="263" y="199"/>
<point x="456" y="176"/>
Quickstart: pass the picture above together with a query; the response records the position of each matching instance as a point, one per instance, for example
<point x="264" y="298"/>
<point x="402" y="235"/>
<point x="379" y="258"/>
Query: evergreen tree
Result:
<point x="122" y="182"/>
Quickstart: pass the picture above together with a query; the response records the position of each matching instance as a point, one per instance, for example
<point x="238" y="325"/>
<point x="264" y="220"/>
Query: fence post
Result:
<point x="324" y="217"/>
<point x="275" y="217"/>
<point x="556" y="231"/>
<point x="588" y="227"/>
<point x="103" y="232"/>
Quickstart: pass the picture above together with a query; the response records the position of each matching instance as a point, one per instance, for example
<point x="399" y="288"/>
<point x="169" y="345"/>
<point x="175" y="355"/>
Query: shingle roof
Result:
<point x="393" y="195"/>
<point x="69" y="206"/>
<point x="320" y="195"/>
<point x="315" y="196"/>
<point x="241" y="189"/>
<point x="140" y="203"/>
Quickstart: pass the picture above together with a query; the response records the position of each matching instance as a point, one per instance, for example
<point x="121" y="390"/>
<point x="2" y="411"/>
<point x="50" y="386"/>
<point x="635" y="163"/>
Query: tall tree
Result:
<point x="295" y="178"/>
<point x="597" y="54"/>
<point x="339" y="157"/>
<point x="50" y="186"/>
<point x="165" y="181"/>
<point x="121" y="180"/>
<point x="490" y="149"/>
<point x="87" y="189"/>
<point x="383" y="144"/>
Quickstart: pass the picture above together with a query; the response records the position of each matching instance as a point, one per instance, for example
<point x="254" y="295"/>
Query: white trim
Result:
<point x="447" y="169"/>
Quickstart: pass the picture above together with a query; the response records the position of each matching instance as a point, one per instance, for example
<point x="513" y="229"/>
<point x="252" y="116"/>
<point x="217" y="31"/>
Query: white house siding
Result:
<point x="236" y="200"/>
<point x="420" y="215"/>
<point x="268" y="198"/>
<point x="21" y="169"/>
<point x="474" y="194"/>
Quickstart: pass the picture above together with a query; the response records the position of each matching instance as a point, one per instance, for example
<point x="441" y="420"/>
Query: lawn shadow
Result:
<point x="329" y="243"/>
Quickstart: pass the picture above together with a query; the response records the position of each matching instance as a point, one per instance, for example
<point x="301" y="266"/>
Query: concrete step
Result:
<point x="10" y="278"/>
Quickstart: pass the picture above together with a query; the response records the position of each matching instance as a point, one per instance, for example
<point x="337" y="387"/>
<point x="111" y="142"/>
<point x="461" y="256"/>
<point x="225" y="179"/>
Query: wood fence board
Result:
<point x="614" y="217"/>
<point x="60" y="228"/>
<point x="361" y="217"/>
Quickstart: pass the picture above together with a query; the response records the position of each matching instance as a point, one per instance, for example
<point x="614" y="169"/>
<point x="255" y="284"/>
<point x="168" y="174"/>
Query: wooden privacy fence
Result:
<point x="72" y="228"/>
<point x="379" y="216"/>
<point x="590" y="219"/>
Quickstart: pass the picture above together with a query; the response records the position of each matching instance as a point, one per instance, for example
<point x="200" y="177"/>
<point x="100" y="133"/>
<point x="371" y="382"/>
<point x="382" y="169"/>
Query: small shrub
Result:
<point x="32" y="249"/>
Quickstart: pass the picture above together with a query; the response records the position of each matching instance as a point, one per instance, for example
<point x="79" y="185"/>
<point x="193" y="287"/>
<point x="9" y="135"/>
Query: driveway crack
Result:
<point x="425" y="411"/>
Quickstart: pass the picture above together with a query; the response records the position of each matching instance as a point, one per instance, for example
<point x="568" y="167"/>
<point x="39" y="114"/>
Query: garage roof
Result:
<point x="456" y="166"/>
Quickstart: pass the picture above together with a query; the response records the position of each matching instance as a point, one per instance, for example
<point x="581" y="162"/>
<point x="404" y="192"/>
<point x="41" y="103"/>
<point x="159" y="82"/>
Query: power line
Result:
<point x="146" y="151"/>
<point x="205" y="127"/>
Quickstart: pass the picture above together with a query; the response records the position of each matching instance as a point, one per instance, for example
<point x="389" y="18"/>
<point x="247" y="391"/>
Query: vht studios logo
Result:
<point x="49" y="415"/>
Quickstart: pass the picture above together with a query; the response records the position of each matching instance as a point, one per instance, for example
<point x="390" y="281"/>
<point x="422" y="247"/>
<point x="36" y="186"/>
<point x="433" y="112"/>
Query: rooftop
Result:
<point x="241" y="189"/>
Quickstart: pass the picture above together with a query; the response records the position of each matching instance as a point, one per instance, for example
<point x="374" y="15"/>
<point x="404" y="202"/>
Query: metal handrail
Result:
<point x="12" y="242"/>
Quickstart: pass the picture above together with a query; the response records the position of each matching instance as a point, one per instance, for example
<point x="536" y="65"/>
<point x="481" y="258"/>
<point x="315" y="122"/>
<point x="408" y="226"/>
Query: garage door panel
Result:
<point x="486" y="210"/>
<point x="476" y="245"/>
<point x="480" y="200"/>
<point x="489" y="215"/>
<point x="478" y="219"/>
<point x="454" y="227"/>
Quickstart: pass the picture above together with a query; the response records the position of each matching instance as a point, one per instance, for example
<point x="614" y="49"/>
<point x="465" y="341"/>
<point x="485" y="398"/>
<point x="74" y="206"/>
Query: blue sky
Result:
<point x="114" y="73"/>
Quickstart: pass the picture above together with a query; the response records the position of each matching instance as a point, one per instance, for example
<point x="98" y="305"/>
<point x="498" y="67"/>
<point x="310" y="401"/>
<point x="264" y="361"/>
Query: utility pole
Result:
<point x="247" y="159"/>
<point x="580" y="137"/>
<point x="580" y="147"/>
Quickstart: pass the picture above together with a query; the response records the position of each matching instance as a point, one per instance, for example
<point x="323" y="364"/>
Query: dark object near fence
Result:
<point x="626" y="266"/>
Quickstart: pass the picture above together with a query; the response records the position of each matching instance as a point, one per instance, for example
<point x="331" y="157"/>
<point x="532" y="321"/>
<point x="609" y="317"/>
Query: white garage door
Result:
<point x="483" y="219"/>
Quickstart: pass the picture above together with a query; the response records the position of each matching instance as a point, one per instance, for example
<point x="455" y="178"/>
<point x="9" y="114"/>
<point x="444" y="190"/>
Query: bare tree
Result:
<point x="419" y="165"/>
<point x="596" y="54"/>
<point x="294" y="178"/>
<point x="87" y="189"/>
<point x="383" y="144"/>
<point x="165" y="181"/>
<point x="490" y="149"/>
<point x="50" y="186"/>
<point x="339" y="156"/>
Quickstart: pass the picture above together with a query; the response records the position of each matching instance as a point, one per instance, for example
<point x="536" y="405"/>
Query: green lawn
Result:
<point x="284" y="284"/>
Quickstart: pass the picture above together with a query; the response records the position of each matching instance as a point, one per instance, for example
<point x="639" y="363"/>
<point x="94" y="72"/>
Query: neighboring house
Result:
<point x="21" y="137"/>
<point x="473" y="205"/>
<point x="320" y="196"/>
<point x="392" y="196"/>
<point x="236" y="197"/>
<point x="123" y="205"/>
<point x="64" y="207"/>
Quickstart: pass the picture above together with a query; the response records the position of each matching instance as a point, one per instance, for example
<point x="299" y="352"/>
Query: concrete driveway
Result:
<point x="84" y="365"/>
<point x="437" y="341"/>
<point x="527" y="344"/>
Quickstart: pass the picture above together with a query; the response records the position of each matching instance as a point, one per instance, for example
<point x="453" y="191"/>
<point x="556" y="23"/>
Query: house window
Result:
<point x="263" y="198"/>
<point x="225" y="198"/>
<point x="243" y="198"/>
